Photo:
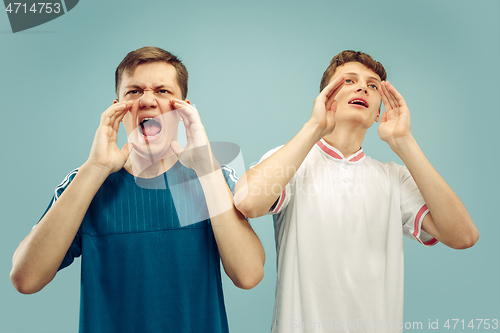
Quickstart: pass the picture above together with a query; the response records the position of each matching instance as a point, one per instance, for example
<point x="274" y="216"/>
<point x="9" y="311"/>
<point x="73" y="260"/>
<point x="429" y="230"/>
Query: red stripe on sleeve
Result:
<point x="431" y="242"/>
<point x="281" y="201"/>
<point x="416" y="228"/>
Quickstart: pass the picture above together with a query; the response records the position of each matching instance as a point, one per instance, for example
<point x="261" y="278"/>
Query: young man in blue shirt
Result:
<point x="152" y="221"/>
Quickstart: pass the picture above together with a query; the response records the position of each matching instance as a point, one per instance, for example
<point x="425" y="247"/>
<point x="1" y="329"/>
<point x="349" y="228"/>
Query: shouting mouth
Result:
<point x="359" y="102"/>
<point x="150" y="127"/>
<point x="154" y="134"/>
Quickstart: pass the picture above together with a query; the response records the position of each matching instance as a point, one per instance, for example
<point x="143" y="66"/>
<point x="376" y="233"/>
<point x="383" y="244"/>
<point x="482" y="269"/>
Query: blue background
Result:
<point x="254" y="71"/>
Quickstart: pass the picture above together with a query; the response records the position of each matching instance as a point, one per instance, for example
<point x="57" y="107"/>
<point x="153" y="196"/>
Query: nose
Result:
<point x="362" y="88"/>
<point x="148" y="99"/>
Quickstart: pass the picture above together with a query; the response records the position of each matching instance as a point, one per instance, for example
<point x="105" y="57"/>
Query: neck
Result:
<point x="347" y="139"/>
<point x="145" y="168"/>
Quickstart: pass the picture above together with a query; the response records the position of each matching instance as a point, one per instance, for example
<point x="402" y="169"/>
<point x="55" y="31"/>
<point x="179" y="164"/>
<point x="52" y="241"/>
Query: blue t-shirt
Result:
<point x="150" y="261"/>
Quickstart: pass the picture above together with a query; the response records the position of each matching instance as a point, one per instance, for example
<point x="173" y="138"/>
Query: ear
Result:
<point x="187" y="101"/>
<point x="378" y="115"/>
<point x="115" y="101"/>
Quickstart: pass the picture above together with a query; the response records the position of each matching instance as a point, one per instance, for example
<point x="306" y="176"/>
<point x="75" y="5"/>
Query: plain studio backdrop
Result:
<point x="255" y="69"/>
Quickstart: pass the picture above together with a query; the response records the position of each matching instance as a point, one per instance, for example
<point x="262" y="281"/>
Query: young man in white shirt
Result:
<point x="339" y="215"/>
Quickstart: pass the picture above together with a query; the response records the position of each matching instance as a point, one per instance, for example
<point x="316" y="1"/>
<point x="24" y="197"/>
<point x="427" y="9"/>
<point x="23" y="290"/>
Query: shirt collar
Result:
<point x="335" y="153"/>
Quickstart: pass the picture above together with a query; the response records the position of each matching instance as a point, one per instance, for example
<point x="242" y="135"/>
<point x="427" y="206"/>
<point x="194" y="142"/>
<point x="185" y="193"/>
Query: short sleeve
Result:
<point x="76" y="246"/>
<point x="230" y="176"/>
<point x="413" y="209"/>
<point x="284" y="198"/>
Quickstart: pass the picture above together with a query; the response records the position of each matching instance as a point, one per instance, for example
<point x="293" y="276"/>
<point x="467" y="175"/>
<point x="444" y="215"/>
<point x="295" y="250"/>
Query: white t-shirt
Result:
<point x="338" y="227"/>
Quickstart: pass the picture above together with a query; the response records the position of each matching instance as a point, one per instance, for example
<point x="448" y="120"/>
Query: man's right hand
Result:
<point x="39" y="255"/>
<point x="105" y="154"/>
<point x="325" y="106"/>
<point x="255" y="192"/>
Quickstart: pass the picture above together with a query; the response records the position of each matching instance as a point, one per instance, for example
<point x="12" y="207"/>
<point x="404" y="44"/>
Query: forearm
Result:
<point x="239" y="247"/>
<point x="39" y="255"/>
<point x="262" y="185"/>
<point x="452" y="224"/>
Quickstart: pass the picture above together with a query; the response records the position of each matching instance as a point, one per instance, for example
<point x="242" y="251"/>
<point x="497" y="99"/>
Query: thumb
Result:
<point x="176" y="147"/>
<point x="127" y="148"/>
<point x="333" y="107"/>
<point x="383" y="118"/>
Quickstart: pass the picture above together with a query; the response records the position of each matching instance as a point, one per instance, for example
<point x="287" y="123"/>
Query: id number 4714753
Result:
<point x="35" y="8"/>
<point x="484" y="324"/>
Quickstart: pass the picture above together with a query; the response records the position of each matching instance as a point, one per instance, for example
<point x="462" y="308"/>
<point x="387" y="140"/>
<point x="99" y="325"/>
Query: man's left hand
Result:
<point x="395" y="126"/>
<point x="197" y="154"/>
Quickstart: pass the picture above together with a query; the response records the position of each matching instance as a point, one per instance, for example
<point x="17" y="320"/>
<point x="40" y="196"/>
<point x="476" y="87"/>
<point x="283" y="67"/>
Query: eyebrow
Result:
<point x="135" y="86"/>
<point x="163" y="86"/>
<point x="370" y="77"/>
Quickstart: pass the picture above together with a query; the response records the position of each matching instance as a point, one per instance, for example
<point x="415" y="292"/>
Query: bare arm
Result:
<point x="256" y="191"/>
<point x="240" y="249"/>
<point x="448" y="220"/>
<point x="39" y="255"/>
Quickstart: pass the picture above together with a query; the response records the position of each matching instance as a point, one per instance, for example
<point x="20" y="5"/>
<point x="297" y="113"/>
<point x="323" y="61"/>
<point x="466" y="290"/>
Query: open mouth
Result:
<point x="359" y="102"/>
<point x="150" y="127"/>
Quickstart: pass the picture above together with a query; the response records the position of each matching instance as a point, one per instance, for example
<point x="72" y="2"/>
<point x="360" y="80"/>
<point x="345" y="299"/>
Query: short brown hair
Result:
<point x="351" y="56"/>
<point x="151" y="54"/>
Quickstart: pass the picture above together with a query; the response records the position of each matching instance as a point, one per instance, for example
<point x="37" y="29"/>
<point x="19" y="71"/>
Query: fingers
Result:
<point x="331" y="106"/>
<point x="386" y="96"/>
<point x="184" y="116"/>
<point x="390" y="103"/>
<point x="330" y="115"/>
<point x="115" y="109"/>
<point x="398" y="98"/>
<point x="333" y="87"/>
<point x="394" y="98"/>
<point x="337" y="84"/>
<point x="383" y="94"/>
<point x="383" y="118"/>
<point x="186" y="111"/>
<point x="114" y="112"/>
<point x="329" y="103"/>
<point x="119" y="118"/>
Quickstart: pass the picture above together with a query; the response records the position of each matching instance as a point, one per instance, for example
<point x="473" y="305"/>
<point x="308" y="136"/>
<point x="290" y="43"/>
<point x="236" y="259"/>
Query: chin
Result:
<point x="353" y="118"/>
<point x="153" y="153"/>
